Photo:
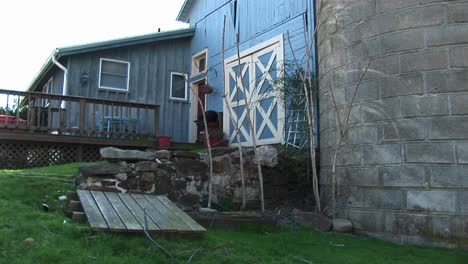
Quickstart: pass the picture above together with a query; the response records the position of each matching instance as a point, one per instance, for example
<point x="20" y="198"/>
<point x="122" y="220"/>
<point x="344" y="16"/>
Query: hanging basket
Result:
<point x="206" y="89"/>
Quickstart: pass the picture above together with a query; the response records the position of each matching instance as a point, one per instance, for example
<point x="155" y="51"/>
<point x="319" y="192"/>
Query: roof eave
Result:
<point x="66" y="51"/>
<point x="182" y="16"/>
<point x="43" y="70"/>
<point x="175" y="34"/>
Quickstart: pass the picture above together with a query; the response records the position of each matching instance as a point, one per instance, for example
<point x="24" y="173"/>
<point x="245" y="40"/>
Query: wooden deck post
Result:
<point x="79" y="153"/>
<point x="30" y="113"/>
<point x="82" y="116"/>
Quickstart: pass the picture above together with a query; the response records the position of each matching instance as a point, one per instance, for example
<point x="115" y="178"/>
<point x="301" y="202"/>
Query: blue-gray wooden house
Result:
<point x="149" y="69"/>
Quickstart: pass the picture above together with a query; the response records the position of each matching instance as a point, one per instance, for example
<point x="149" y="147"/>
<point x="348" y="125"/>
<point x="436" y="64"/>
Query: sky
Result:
<point x="31" y="29"/>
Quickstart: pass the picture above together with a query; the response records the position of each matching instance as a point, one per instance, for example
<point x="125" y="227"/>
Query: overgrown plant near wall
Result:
<point x="308" y="83"/>
<point x="343" y="117"/>
<point x="295" y="132"/>
<point x="306" y="78"/>
<point x="296" y="127"/>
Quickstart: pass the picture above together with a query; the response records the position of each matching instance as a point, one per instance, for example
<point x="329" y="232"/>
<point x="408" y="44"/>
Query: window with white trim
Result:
<point x="199" y="62"/>
<point x="178" y="86"/>
<point x="114" y="74"/>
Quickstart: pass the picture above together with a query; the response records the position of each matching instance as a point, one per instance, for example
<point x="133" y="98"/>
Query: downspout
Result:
<point x="65" y="77"/>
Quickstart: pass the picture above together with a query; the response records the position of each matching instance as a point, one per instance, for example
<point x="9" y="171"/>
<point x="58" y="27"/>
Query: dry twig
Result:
<point x="207" y="137"/>
<point x="248" y="105"/>
<point x="343" y="132"/>
<point x="145" y="229"/>
<point x="310" y="107"/>
<point x="194" y="253"/>
<point x="303" y="260"/>
<point x="231" y="117"/>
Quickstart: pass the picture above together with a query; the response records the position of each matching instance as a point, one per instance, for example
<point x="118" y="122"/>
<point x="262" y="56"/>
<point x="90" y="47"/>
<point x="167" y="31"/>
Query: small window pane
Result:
<point x="202" y="64"/>
<point x="178" y="86"/>
<point x="117" y="68"/>
<point x="114" y="81"/>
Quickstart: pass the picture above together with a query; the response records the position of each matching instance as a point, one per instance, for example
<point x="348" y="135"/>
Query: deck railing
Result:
<point x="76" y="116"/>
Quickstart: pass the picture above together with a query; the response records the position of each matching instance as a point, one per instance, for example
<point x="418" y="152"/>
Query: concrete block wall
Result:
<point x="403" y="168"/>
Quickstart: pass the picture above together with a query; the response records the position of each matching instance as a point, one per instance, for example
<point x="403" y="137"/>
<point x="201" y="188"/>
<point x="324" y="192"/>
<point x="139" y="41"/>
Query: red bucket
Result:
<point x="164" y="141"/>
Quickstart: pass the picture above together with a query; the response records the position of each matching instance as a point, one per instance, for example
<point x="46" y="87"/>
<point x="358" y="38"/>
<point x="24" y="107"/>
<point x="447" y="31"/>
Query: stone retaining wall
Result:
<point x="183" y="176"/>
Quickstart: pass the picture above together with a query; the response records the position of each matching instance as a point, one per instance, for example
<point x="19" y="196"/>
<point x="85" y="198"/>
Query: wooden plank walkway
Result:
<point x="126" y="213"/>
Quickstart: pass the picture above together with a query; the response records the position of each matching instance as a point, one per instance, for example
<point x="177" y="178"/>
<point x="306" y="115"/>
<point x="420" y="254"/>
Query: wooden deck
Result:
<point x="39" y="129"/>
<point x="25" y="136"/>
<point x="126" y="213"/>
<point x="51" y="115"/>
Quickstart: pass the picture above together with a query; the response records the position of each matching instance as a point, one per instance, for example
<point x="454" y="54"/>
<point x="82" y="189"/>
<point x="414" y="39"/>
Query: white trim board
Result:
<point x="113" y="88"/>
<point x="278" y="39"/>
<point x="184" y="75"/>
<point x="194" y="67"/>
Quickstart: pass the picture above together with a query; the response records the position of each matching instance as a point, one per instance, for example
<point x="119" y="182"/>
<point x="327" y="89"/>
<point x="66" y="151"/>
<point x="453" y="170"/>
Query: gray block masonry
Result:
<point x="402" y="171"/>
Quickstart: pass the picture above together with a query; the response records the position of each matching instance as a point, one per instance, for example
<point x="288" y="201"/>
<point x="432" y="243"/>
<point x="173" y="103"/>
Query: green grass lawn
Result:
<point x="58" y="240"/>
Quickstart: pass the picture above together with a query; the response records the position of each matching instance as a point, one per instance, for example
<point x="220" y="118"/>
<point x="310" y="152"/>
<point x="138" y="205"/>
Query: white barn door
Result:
<point x="256" y="87"/>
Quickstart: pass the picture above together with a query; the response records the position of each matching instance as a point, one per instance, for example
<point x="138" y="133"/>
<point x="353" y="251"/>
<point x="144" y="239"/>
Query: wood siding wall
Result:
<point x="150" y="68"/>
<point x="257" y="21"/>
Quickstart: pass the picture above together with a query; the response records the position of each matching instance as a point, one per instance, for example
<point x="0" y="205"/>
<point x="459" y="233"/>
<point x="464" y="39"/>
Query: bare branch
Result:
<point x="344" y="130"/>
<point x="207" y="137"/>
<point x="249" y="119"/>
<point x="335" y="104"/>
<point x="310" y="106"/>
<point x="303" y="260"/>
<point x="354" y="95"/>
<point x="145" y="229"/>
<point x="194" y="253"/>
<point x="236" y="123"/>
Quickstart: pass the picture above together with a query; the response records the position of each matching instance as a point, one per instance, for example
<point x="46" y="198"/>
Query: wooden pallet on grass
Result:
<point x="123" y="212"/>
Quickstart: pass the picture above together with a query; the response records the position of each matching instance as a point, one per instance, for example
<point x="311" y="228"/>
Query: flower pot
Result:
<point x="164" y="141"/>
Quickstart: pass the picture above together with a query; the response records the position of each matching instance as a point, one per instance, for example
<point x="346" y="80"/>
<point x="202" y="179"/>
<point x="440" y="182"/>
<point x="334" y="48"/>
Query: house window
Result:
<point x="199" y="62"/>
<point x="114" y="74"/>
<point x="47" y="89"/>
<point x="178" y="86"/>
